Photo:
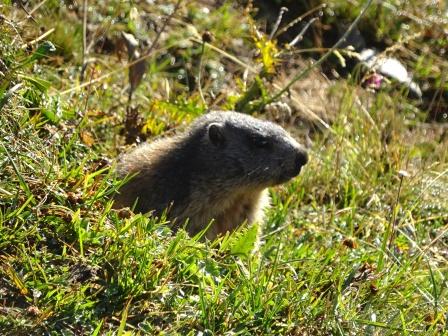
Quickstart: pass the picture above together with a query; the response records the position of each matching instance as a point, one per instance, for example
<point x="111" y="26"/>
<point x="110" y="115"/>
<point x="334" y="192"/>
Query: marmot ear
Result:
<point x="216" y="134"/>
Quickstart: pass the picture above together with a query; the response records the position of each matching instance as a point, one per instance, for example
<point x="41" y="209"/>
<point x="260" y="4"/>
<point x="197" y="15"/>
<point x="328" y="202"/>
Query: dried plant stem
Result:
<point x="201" y="64"/>
<point x="303" y="73"/>
<point x="40" y="4"/>
<point x="84" y="40"/>
<point x="277" y="23"/>
<point x="39" y="38"/>
<point x="165" y="23"/>
<point x="393" y="222"/>
<point x="299" y="37"/>
<point x="26" y="11"/>
<point x="141" y="60"/>
<point x="300" y="18"/>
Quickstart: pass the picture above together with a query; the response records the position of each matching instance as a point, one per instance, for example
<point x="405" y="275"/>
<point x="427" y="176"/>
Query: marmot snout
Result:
<point x="218" y="170"/>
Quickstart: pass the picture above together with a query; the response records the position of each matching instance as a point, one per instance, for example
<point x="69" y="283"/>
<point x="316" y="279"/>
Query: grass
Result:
<point x="355" y="245"/>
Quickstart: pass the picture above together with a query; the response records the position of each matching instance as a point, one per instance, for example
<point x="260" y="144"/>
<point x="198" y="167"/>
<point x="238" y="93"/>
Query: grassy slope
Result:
<point x="351" y="246"/>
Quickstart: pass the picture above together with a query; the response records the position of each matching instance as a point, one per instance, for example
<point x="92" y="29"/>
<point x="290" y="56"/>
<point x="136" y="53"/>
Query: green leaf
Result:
<point x="245" y="241"/>
<point x="41" y="84"/>
<point x="42" y="51"/>
<point x="98" y="328"/>
<point x="124" y="317"/>
<point x="52" y="110"/>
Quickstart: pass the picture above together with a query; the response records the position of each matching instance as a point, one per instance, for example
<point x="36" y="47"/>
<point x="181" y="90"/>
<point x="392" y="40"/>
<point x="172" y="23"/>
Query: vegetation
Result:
<point x="356" y="245"/>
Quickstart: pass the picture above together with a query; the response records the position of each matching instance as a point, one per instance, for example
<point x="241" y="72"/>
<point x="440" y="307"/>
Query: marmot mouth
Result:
<point x="288" y="175"/>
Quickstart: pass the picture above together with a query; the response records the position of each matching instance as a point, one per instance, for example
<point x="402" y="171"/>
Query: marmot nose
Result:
<point x="301" y="158"/>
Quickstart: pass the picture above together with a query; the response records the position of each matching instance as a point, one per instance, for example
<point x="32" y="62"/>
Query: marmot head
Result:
<point x="248" y="151"/>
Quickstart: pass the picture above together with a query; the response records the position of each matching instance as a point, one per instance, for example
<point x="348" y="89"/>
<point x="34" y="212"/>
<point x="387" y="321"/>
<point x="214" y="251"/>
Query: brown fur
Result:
<point x="219" y="169"/>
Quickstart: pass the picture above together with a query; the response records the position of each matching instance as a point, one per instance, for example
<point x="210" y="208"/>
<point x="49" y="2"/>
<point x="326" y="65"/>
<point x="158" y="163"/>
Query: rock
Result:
<point x="391" y="68"/>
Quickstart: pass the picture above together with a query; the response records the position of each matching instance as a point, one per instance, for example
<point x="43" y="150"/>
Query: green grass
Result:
<point x="355" y="245"/>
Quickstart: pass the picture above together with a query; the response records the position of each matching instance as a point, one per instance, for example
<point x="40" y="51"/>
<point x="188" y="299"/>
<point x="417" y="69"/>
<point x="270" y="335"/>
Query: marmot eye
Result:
<point x="261" y="142"/>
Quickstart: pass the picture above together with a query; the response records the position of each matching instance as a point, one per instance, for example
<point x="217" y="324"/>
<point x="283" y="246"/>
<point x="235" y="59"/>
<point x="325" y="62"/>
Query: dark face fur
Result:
<point x="258" y="152"/>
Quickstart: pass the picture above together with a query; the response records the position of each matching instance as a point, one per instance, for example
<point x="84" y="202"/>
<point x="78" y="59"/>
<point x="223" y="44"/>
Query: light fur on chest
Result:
<point x="229" y="214"/>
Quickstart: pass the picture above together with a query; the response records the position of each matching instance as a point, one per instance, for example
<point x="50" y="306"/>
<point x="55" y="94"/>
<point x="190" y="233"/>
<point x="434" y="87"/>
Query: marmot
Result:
<point x="219" y="169"/>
